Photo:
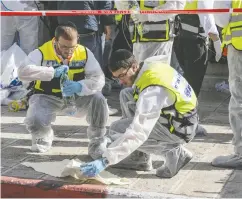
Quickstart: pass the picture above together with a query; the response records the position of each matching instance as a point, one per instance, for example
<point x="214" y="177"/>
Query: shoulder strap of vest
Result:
<point x="42" y="58"/>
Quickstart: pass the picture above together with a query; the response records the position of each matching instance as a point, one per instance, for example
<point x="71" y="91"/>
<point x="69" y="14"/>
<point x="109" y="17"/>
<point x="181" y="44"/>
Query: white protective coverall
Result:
<point x="43" y="108"/>
<point x="27" y="26"/>
<point x="141" y="128"/>
<point x="235" y="85"/>
<point x="143" y="50"/>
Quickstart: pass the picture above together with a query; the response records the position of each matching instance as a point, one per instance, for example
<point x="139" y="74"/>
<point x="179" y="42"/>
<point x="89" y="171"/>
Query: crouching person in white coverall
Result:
<point x="45" y="66"/>
<point x="159" y="117"/>
<point x="232" y="37"/>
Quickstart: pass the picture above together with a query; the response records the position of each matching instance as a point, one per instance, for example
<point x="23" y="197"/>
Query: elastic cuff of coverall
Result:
<point x="93" y="132"/>
<point x="109" y="157"/>
<point x="238" y="151"/>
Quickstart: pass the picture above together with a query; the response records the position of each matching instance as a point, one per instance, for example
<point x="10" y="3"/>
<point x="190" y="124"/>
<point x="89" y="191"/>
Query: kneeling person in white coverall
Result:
<point x="45" y="66"/>
<point x="159" y="116"/>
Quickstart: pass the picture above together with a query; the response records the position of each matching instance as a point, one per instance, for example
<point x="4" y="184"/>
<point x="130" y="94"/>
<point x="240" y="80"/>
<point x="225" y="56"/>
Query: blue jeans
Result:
<point x="93" y="42"/>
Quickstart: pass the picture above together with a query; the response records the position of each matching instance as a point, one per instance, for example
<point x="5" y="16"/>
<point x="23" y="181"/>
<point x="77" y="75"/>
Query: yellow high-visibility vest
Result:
<point x="160" y="74"/>
<point x="152" y="31"/>
<point x="76" y="68"/>
<point x="118" y="17"/>
<point x="233" y="32"/>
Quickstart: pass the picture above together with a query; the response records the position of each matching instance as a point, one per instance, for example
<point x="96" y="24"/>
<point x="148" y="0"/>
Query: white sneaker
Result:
<point x="42" y="144"/>
<point x="112" y="111"/>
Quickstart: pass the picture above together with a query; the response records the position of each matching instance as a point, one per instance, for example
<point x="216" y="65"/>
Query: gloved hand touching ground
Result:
<point x="93" y="168"/>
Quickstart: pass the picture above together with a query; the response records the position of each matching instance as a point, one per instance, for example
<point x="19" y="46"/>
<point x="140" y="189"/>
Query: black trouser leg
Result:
<point x="192" y="57"/>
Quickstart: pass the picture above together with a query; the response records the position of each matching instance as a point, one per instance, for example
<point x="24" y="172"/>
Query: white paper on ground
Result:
<point x="68" y="167"/>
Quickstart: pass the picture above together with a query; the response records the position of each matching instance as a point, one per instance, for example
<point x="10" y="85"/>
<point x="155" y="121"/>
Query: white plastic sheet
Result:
<point x="10" y="61"/>
<point x="72" y="168"/>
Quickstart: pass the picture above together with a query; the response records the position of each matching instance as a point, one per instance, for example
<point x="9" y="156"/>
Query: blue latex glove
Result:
<point x="60" y="70"/>
<point x="93" y="168"/>
<point x="71" y="87"/>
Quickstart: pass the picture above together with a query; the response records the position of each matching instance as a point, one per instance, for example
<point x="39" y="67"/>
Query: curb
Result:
<point x="31" y="188"/>
<point x="12" y="187"/>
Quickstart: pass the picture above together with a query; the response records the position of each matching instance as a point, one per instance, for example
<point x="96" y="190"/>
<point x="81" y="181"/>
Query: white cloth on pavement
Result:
<point x="68" y="167"/>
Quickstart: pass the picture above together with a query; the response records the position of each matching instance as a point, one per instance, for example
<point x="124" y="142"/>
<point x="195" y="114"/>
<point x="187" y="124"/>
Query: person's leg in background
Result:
<point x="174" y="62"/>
<point x="192" y="57"/>
<point x="192" y="54"/>
<point x="28" y="28"/>
<point x="122" y="39"/>
<point x="93" y="42"/>
<point x="7" y="31"/>
<point x="235" y="110"/>
<point x="52" y="20"/>
<point x="108" y="45"/>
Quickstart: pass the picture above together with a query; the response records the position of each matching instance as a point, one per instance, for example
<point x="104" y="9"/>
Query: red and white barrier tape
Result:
<point x="113" y="12"/>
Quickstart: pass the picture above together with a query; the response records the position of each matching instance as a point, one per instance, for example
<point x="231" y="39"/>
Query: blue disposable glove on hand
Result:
<point x="93" y="168"/>
<point x="71" y="87"/>
<point x="60" y="70"/>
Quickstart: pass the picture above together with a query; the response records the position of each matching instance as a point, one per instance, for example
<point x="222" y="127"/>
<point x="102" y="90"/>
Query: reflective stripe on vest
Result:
<point x="160" y="74"/>
<point x="118" y="17"/>
<point x="192" y="29"/>
<point x="233" y="32"/>
<point x="151" y="31"/>
<point x="190" y="23"/>
<point x="76" y="68"/>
